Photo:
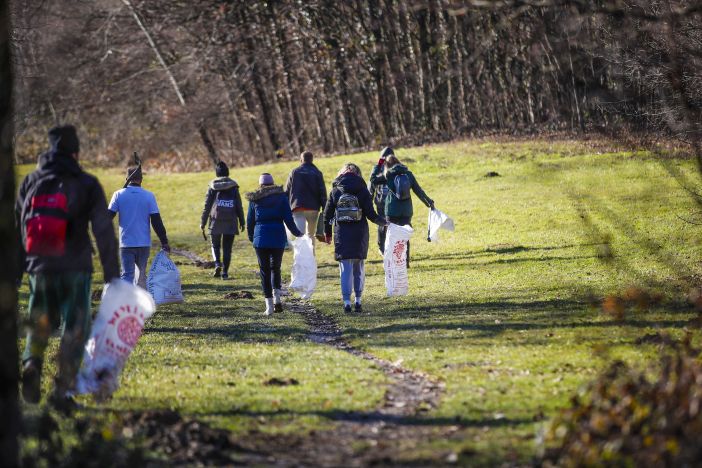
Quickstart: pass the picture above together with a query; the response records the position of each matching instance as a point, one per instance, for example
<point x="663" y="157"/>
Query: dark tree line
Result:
<point x="249" y="81"/>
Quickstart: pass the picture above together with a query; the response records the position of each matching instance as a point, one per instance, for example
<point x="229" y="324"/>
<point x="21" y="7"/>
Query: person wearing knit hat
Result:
<point x="379" y="192"/>
<point x="400" y="182"/>
<point x="57" y="206"/>
<point x="223" y="208"/>
<point x="269" y="213"/>
<point x="138" y="213"/>
<point x="308" y="195"/>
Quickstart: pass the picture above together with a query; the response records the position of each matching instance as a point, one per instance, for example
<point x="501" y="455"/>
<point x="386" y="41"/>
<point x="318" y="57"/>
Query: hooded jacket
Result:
<point x="86" y="204"/>
<point x="394" y="207"/>
<point x="269" y="209"/>
<point x="224" y="188"/>
<point x="305" y="188"/>
<point x="350" y="239"/>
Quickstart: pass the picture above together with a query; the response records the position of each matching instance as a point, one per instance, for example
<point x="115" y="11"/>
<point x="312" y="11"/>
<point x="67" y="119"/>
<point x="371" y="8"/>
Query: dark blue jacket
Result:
<point x="350" y="239"/>
<point x="268" y="210"/>
<point x="305" y="187"/>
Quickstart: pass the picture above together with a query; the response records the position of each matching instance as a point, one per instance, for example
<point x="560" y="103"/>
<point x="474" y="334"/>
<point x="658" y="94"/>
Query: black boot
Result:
<point x="31" y="380"/>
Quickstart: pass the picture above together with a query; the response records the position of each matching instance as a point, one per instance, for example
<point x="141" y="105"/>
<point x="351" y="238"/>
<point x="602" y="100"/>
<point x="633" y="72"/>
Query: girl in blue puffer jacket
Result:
<point x="269" y="211"/>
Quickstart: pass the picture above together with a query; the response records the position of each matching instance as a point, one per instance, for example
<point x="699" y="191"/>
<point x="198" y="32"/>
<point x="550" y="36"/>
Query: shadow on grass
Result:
<point x="371" y="417"/>
<point x="542" y="315"/>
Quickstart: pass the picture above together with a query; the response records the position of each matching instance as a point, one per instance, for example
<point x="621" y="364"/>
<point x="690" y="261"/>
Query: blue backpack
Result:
<point x="403" y="185"/>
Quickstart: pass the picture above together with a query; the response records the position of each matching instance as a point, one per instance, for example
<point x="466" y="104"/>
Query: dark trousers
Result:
<point x="382" y="232"/>
<point x="403" y="221"/>
<point x="225" y="242"/>
<point x="269" y="261"/>
<point x="59" y="301"/>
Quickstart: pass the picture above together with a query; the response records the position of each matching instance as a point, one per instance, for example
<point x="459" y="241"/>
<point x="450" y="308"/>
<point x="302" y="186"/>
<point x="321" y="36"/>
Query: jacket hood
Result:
<point x="350" y="183"/>
<point x="56" y="161"/>
<point x="223" y="183"/>
<point x="263" y="192"/>
<point x="398" y="169"/>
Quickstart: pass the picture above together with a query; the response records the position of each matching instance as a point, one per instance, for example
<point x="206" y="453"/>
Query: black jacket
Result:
<point x="305" y="188"/>
<point x="350" y="239"/>
<point x="86" y="204"/>
<point x="223" y="185"/>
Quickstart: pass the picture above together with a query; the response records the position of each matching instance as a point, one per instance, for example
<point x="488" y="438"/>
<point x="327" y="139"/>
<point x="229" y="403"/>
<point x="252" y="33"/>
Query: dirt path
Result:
<point x="382" y="436"/>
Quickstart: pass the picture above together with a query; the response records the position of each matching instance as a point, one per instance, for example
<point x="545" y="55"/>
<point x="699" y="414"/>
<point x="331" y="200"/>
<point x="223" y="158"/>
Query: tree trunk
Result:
<point x="9" y="255"/>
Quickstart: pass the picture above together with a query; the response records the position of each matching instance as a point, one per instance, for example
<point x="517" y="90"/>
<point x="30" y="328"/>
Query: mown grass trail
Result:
<point x="501" y="311"/>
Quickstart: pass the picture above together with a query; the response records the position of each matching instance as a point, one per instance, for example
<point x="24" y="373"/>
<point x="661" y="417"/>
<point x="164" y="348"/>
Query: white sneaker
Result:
<point x="269" y="306"/>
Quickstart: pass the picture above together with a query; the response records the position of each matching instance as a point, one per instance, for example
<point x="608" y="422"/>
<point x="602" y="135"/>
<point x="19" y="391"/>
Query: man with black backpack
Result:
<point x="55" y="204"/>
<point x="400" y="183"/>
<point x="223" y="208"/>
<point x="348" y="207"/>
<point x="379" y="192"/>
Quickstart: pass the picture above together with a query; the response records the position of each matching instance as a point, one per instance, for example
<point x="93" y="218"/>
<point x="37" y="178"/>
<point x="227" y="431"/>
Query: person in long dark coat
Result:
<point x="350" y="232"/>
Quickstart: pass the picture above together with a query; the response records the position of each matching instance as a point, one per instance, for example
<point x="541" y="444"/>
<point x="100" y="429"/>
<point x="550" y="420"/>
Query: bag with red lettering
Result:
<point x="395" y="259"/>
<point x="118" y="325"/>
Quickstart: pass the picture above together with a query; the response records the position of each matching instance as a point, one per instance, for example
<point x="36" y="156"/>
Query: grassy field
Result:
<point x="505" y="311"/>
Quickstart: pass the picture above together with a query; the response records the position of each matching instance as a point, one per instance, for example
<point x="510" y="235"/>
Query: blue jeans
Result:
<point x="131" y="257"/>
<point x="353" y="276"/>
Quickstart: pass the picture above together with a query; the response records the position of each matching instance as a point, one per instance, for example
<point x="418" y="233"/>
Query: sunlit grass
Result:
<point x="499" y="310"/>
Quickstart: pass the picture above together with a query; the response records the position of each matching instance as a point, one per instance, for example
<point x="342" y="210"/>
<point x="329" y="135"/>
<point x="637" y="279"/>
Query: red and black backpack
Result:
<point x="45" y="217"/>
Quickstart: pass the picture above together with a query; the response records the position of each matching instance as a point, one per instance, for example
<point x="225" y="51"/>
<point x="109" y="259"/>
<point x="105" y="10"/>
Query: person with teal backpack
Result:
<point x="400" y="182"/>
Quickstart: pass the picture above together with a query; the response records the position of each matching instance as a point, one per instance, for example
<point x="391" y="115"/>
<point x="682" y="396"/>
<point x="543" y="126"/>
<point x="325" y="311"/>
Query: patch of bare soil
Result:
<point x="197" y="260"/>
<point x="239" y="295"/>
<point x="383" y="436"/>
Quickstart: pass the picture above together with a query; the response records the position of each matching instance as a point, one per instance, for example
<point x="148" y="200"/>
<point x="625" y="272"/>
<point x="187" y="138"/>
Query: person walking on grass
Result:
<point x="54" y="206"/>
<point x="269" y="211"/>
<point x="307" y="193"/>
<point x="138" y="212"/>
<point x="223" y="208"/>
<point x="348" y="208"/>
<point x="379" y="192"/>
<point x="398" y="203"/>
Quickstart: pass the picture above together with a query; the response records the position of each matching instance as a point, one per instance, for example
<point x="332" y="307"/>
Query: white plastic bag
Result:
<point x="304" y="269"/>
<point x="395" y="259"/>
<point x="118" y="325"/>
<point x="163" y="282"/>
<point x="438" y="220"/>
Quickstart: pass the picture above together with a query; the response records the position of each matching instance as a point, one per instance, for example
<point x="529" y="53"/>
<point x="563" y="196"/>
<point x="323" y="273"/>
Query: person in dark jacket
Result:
<point x="269" y="212"/>
<point x="307" y="193"/>
<point x="350" y="235"/>
<point x="223" y="208"/>
<point x="379" y="192"/>
<point x="60" y="273"/>
<point x="400" y="211"/>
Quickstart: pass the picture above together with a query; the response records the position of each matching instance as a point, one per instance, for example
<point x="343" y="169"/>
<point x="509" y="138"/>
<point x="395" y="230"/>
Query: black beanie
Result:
<point x="222" y="170"/>
<point x="134" y="173"/>
<point x="387" y="151"/>
<point x="64" y="139"/>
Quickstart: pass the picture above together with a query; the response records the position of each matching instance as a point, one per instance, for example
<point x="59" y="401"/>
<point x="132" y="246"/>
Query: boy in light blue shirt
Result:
<point x="138" y="212"/>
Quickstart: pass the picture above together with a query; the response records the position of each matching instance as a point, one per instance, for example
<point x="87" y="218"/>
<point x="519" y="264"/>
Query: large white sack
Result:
<point x="304" y="269"/>
<point x="395" y="259"/>
<point x="438" y="220"/>
<point x="163" y="282"/>
<point x="118" y="325"/>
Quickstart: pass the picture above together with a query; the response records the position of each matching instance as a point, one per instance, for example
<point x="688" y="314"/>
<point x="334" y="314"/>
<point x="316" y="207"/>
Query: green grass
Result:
<point x="499" y="310"/>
